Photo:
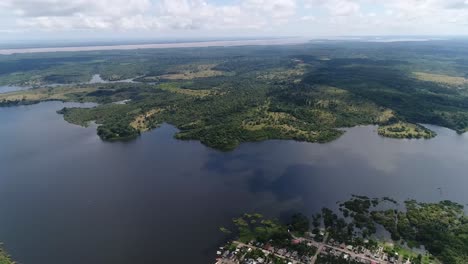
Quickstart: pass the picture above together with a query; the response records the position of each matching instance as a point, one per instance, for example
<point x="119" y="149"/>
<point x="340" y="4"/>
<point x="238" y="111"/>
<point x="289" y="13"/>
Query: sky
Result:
<point x="162" y="19"/>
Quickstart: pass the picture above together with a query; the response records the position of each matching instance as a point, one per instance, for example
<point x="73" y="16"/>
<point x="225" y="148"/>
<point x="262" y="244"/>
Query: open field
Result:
<point x="440" y="78"/>
<point x="192" y="72"/>
<point x="174" y="88"/>
<point x="43" y="94"/>
<point x="141" y="123"/>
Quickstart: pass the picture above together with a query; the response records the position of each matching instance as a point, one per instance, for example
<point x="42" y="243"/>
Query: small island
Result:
<point x="405" y="130"/>
<point x="348" y="236"/>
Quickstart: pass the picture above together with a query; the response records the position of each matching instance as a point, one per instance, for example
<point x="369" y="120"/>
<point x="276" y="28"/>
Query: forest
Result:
<point x="223" y="96"/>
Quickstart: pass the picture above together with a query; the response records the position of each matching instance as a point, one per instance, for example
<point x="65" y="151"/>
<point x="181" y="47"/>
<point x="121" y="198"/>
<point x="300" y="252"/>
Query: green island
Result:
<point x="405" y="130"/>
<point x="421" y="233"/>
<point x="223" y="96"/>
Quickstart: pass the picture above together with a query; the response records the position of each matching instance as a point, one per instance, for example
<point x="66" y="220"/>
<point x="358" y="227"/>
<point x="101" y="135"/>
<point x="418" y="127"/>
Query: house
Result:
<point x="281" y="251"/>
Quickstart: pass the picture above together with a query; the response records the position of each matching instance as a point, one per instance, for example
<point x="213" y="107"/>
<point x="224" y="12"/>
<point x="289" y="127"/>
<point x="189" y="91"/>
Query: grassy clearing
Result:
<point x="405" y="130"/>
<point x="407" y="253"/>
<point x="41" y="94"/>
<point x="174" y="87"/>
<point x="189" y="72"/>
<point x="286" y="124"/>
<point x="294" y="74"/>
<point x="440" y="78"/>
<point x="385" y="116"/>
<point x="141" y="122"/>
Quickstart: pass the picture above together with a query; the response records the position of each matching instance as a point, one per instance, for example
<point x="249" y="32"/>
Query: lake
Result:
<point x="68" y="197"/>
<point x="96" y="78"/>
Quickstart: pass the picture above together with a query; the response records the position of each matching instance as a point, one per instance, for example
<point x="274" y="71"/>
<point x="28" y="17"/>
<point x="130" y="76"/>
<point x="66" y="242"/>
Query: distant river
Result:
<point x="68" y="197"/>
<point x="220" y="43"/>
<point x="8" y="88"/>
<point x="96" y="78"/>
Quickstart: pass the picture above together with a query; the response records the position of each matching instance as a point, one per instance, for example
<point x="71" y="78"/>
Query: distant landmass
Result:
<point x="224" y="94"/>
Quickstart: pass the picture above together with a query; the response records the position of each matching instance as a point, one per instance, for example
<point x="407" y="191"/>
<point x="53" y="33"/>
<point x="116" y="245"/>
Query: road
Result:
<point x="254" y="247"/>
<point x="319" y="248"/>
<point x="323" y="244"/>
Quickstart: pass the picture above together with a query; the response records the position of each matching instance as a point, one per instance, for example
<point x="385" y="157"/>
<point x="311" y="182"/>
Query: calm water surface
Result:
<point x="9" y="88"/>
<point x="68" y="197"/>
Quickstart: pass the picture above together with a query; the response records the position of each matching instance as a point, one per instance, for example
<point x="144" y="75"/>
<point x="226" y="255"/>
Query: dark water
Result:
<point x="67" y="197"/>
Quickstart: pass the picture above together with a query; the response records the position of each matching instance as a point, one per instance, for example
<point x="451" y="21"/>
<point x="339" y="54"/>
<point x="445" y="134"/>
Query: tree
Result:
<point x="299" y="223"/>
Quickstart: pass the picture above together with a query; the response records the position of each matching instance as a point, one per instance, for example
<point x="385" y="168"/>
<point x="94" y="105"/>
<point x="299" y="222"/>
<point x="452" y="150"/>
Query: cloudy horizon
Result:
<point x="139" y="19"/>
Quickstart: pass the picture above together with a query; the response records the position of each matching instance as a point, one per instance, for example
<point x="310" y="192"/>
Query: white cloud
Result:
<point x="196" y="14"/>
<point x="308" y="18"/>
<point x="274" y="8"/>
<point x="144" y="14"/>
<point x="336" y="7"/>
<point x="62" y="8"/>
<point x="272" y="16"/>
<point x="428" y="13"/>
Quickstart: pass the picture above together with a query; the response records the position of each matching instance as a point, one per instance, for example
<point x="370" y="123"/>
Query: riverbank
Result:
<point x="349" y="236"/>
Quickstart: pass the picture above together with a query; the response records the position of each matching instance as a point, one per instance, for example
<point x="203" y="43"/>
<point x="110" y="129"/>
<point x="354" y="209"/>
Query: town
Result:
<point x="331" y="239"/>
<point x="323" y="251"/>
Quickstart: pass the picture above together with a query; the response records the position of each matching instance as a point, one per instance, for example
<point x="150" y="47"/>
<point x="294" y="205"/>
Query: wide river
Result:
<point x="68" y="197"/>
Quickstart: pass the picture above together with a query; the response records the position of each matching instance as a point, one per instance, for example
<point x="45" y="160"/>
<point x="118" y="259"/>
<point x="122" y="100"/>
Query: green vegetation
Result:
<point x="253" y="227"/>
<point x="405" y="130"/>
<point x="299" y="224"/>
<point x="226" y="96"/>
<point x="441" y="78"/>
<point x="441" y="227"/>
<point x="4" y="258"/>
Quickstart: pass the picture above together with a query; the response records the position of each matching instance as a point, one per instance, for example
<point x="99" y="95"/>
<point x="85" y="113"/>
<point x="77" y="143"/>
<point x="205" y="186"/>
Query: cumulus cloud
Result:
<point x="75" y="14"/>
<point x="430" y="13"/>
<point x="61" y="8"/>
<point x="145" y="14"/>
<point x="391" y="16"/>
<point x="196" y="14"/>
<point x="336" y="7"/>
<point x="330" y="16"/>
<point x="274" y="8"/>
